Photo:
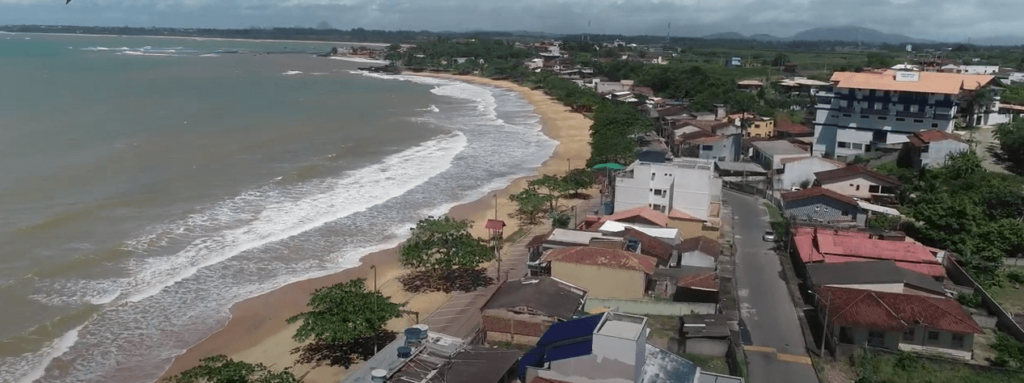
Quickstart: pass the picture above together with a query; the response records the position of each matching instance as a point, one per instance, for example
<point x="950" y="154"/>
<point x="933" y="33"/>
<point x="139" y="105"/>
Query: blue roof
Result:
<point x="571" y="350"/>
<point x="576" y="328"/>
<point x="533" y="358"/>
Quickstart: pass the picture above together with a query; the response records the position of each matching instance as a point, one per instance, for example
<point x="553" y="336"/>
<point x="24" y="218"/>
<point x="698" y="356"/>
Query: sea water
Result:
<point x="147" y="184"/>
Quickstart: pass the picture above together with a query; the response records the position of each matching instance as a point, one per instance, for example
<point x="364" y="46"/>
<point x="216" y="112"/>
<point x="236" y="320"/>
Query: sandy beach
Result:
<point x="257" y="331"/>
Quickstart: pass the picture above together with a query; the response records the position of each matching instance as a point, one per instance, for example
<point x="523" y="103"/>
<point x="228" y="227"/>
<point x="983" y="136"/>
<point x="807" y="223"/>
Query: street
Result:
<point x="777" y="352"/>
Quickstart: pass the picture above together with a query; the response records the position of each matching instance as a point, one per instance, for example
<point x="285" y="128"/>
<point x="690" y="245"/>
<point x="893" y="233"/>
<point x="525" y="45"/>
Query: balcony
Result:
<point x="910" y="114"/>
<point x="846" y="109"/>
<point x="824" y="100"/>
<point x="877" y="112"/>
<point x="943" y="116"/>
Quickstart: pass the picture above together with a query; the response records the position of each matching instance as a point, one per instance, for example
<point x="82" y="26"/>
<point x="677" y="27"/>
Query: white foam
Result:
<point x="136" y="53"/>
<point x="56" y="348"/>
<point x="432" y="108"/>
<point x="359" y="60"/>
<point x="291" y="72"/>
<point x="210" y="55"/>
<point x="355" y="191"/>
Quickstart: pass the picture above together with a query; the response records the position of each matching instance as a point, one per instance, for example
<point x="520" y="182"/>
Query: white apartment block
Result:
<point x="686" y="184"/>
<point x="878" y="110"/>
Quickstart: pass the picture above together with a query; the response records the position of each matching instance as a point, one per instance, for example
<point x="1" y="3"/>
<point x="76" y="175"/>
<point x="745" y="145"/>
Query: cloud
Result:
<point x="941" y="19"/>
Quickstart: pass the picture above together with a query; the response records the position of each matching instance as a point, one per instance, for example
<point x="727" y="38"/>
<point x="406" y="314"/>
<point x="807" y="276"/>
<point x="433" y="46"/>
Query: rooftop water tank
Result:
<point x="378" y="375"/>
<point x="424" y="330"/>
<point x="413" y="336"/>
<point x="404" y="351"/>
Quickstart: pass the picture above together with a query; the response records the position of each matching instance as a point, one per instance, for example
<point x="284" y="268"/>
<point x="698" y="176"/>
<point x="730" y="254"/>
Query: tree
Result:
<point x="554" y="188"/>
<point x="441" y="244"/>
<point x="530" y="205"/>
<point x="578" y="180"/>
<point x="342" y="320"/>
<point x="221" y="369"/>
<point x="780" y="59"/>
<point x="978" y="102"/>
<point x="1011" y="142"/>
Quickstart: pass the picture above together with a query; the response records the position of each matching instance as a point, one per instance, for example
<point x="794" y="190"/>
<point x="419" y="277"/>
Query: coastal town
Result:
<point x="785" y="228"/>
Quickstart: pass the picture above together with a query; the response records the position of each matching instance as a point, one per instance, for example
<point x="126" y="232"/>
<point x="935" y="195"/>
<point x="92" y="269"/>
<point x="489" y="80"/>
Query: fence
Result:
<point x="652" y="307"/>
<point x="1005" y="322"/>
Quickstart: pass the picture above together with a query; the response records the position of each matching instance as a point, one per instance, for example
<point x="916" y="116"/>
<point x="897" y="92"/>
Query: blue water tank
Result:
<point x="404" y="351"/>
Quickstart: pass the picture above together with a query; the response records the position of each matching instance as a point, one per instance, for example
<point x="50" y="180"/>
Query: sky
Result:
<point x="948" y="20"/>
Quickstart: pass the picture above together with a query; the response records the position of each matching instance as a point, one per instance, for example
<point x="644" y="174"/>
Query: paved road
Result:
<point x="778" y="352"/>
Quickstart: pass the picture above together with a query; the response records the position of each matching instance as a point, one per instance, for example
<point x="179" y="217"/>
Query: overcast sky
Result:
<point x="950" y="20"/>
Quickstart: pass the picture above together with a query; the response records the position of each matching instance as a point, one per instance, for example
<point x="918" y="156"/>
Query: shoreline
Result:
<point x="199" y="38"/>
<point x="255" y="333"/>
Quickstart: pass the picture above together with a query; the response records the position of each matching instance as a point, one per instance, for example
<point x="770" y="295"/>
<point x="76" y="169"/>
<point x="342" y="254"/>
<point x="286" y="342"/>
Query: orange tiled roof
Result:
<point x="929" y="82"/>
<point x="596" y="256"/>
<point x="931" y="135"/>
<point x="643" y="212"/>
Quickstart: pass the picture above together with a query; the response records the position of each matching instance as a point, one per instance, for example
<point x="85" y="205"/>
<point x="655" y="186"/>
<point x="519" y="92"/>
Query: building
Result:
<point x="648" y="245"/>
<point x="929" y="148"/>
<point x="420" y="355"/>
<point x="803" y="85"/>
<point x="751" y="86"/>
<point x="604" y="273"/>
<point x="690" y="226"/>
<point x="712" y="147"/>
<point x="697" y="252"/>
<point x="687" y="184"/>
<point x="736" y="62"/>
<point x="859" y="182"/>
<point x="521" y="310"/>
<point x="699" y="287"/>
<point x="604" y="87"/>
<point x="872" y="111"/>
<point x="822" y="205"/>
<point x="896" y="321"/>
<point x="757" y="126"/>
<point x="786" y="129"/>
<point x="830" y="246"/>
<point x="798" y="172"/>
<point x="706" y="334"/>
<point x="884" y="276"/>
<point x="971" y="69"/>
<point x="770" y="154"/>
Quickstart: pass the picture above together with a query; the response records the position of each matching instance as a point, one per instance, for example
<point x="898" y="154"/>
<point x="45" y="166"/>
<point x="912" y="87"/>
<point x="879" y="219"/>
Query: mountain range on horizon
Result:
<point x="859" y="34"/>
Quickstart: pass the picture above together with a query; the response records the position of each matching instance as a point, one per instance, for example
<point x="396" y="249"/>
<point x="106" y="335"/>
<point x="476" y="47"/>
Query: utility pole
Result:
<point x="824" y="319"/>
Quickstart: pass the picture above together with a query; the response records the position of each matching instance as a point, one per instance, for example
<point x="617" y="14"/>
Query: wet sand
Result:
<point x="257" y="331"/>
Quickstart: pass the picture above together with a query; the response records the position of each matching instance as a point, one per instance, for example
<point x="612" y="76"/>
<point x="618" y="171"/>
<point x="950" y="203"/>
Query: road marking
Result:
<point x="794" y="358"/>
<point x="760" y="349"/>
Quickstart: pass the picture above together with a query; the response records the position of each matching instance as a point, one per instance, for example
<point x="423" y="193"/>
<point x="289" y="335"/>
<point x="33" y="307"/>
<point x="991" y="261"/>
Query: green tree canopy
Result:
<point x="1011" y="142"/>
<point x="530" y="205"/>
<point x="221" y="369"/>
<point x="441" y="244"/>
<point x="344" y="312"/>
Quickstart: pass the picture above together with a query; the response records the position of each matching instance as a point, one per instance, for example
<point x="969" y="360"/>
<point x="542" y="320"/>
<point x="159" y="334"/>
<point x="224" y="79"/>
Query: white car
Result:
<point x="769" y="236"/>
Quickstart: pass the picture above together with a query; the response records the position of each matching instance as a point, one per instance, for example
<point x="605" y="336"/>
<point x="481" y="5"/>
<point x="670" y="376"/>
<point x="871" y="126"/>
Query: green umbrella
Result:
<point x="610" y="165"/>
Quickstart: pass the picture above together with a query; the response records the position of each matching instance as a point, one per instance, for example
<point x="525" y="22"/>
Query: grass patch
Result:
<point x="516" y="235"/>
<point x="663" y="327"/>
<point x="773" y="212"/>
<point x="715" y="364"/>
<point x="905" y="367"/>
<point x="1010" y="297"/>
<point x="741" y="363"/>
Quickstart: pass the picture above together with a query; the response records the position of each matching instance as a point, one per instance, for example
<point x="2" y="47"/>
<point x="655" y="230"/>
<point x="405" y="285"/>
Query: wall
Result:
<point x="822" y="208"/>
<point x="858" y="187"/>
<point x="602" y="282"/>
<point x="697" y="259"/>
<point x="938" y="151"/>
<point x="945" y="339"/>
<point x="761" y="129"/>
<point x="691" y="190"/>
<point x="647" y="307"/>
<point x="504" y="326"/>
<point x="881" y="287"/>
<point x="726" y="150"/>
<point x="797" y="172"/>
<point x="860" y="337"/>
<point x="605" y="87"/>
<point x="693" y="229"/>
<point x="1005" y="322"/>
<point x="585" y="369"/>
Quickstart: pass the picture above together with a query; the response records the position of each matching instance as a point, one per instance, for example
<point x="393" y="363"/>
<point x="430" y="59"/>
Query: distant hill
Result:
<point x="854" y="34"/>
<point x="764" y="37"/>
<point x="726" y="36"/>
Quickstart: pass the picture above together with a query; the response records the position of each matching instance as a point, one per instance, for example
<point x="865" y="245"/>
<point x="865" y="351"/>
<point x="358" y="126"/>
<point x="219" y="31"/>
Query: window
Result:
<point x="883" y="118"/>
<point x="835" y="116"/>
<point x="847" y="115"/>
<point x="707" y="147"/>
<point x="958" y="341"/>
<point x="874" y="189"/>
<point x="858" y="187"/>
<point x="864" y="116"/>
<point x="876" y="338"/>
<point x="935" y="125"/>
<point x="658" y="208"/>
<point x="933" y="335"/>
<point x="918" y="121"/>
<point x="846" y="213"/>
<point x="900" y="119"/>
<point x="657" y="192"/>
<point x="914" y="108"/>
<point x="842" y="144"/>
<point x="857" y="146"/>
<point x="924" y="149"/>
<point x="652" y="176"/>
<point x="908" y="334"/>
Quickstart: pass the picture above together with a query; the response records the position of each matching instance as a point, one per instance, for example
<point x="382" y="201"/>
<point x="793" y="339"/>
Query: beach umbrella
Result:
<point x="610" y="165"/>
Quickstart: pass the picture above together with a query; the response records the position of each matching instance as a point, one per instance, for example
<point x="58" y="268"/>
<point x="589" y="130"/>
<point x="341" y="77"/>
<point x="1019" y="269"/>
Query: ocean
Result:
<point x="147" y="184"/>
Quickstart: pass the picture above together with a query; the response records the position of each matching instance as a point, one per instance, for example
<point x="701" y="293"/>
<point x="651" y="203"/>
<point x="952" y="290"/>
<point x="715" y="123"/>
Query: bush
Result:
<point x="1016" y="276"/>
<point x="971" y="300"/>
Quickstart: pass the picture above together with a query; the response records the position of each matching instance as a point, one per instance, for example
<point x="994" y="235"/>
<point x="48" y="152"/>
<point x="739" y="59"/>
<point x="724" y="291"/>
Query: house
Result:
<point x="706" y="334"/>
<point x="896" y="321"/>
<point x="735" y="62"/>
<point x="798" y="172"/>
<point x="648" y="245"/>
<point x="751" y="86"/>
<point x="822" y="205"/>
<point x="697" y="252"/>
<point x="815" y="245"/>
<point x="769" y="154"/>
<point x="641" y="215"/>
<point x="610" y="347"/>
<point x="521" y="310"/>
<point x="604" y="273"/>
<point x="687" y="184"/>
<point x="786" y="129"/>
<point x="803" y="85"/>
<point x="884" y="276"/>
<point x="420" y="355"/>
<point x="858" y="181"/>
<point x="757" y="126"/>
<point x="699" y="288"/>
<point x="871" y="111"/>
<point x="604" y="87"/>
<point x="711" y="147"/>
<point x="929" y="148"/>
<point x="611" y="228"/>
<point x="690" y="226"/>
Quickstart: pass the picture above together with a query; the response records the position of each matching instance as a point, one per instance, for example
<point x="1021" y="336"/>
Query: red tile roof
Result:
<point x="924" y="137"/>
<point x="829" y="176"/>
<point x="838" y="247"/>
<point x="699" y="281"/>
<point x="648" y="245"/>
<point x="682" y="215"/>
<point x="702" y="244"/>
<point x="596" y="256"/>
<point x="894" y="311"/>
<point x="537" y="240"/>
<point x="494" y="224"/>
<point x="643" y="212"/>
<point x="818" y="191"/>
<point x="792" y="128"/>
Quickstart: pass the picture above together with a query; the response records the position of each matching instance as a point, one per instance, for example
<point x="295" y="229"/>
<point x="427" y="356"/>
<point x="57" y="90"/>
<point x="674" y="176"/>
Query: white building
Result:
<point x="771" y="154"/>
<point x="875" y="110"/>
<point x="970" y="69"/>
<point x="687" y="184"/>
<point x="929" y="148"/>
<point x="798" y="171"/>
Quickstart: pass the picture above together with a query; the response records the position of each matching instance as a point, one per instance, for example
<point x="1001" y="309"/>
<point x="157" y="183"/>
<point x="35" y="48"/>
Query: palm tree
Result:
<point x="979" y="101"/>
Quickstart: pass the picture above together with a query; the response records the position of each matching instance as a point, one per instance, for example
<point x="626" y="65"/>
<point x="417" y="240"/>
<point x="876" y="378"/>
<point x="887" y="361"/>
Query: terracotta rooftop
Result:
<point x="537" y="240"/>
<point x="682" y="215"/>
<point x="818" y="191"/>
<point x="595" y="256"/>
<point x="700" y="281"/>
<point x="647" y="213"/>
<point x="929" y="82"/>
<point x="792" y="128"/>
<point x="703" y="244"/>
<point x="829" y="176"/>
<point x="894" y="311"/>
<point x="649" y="245"/>
<point x="925" y="137"/>
<point x="494" y="224"/>
<point x="829" y="246"/>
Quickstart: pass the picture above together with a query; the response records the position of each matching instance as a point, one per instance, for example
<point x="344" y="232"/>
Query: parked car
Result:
<point x="769" y="236"/>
